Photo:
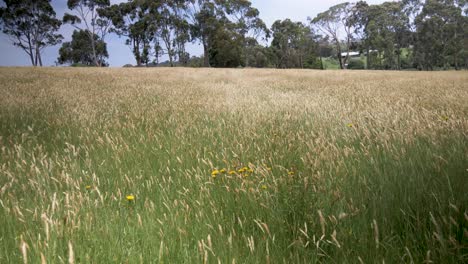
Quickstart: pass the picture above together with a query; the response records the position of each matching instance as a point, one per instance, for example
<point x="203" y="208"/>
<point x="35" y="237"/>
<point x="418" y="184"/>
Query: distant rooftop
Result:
<point x="351" y="54"/>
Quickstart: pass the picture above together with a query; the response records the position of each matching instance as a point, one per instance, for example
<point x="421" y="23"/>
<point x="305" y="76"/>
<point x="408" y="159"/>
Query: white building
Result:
<point x="351" y="54"/>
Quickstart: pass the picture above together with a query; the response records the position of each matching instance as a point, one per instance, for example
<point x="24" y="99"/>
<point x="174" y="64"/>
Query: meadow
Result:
<point x="233" y="166"/>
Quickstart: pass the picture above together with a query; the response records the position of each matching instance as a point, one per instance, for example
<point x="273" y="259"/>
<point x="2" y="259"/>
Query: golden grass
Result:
<point x="232" y="165"/>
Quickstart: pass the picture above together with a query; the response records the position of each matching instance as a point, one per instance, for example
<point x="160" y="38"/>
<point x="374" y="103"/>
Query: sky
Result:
<point x="120" y="54"/>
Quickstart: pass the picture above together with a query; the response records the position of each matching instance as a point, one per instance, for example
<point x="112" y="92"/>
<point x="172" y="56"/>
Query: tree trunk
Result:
<point x="136" y="52"/>
<point x="170" y="51"/>
<point x="380" y="60"/>
<point x="31" y="52"/>
<point x="206" y="59"/>
<point x="246" y="62"/>
<point x="368" y="58"/>
<point x="244" y="49"/>
<point x="93" y="41"/>
<point x="339" y="54"/>
<point x="170" y="59"/>
<point x="39" y="58"/>
<point x="399" y="60"/>
<point x="93" y="46"/>
<point x="31" y="56"/>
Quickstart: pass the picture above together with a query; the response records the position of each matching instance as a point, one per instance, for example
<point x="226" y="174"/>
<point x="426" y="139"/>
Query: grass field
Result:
<point x="233" y="166"/>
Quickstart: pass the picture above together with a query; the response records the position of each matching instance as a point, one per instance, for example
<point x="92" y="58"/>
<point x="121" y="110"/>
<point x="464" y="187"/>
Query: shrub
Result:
<point x="356" y="64"/>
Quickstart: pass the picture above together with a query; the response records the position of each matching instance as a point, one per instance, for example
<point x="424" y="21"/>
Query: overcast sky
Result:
<point x="120" y="54"/>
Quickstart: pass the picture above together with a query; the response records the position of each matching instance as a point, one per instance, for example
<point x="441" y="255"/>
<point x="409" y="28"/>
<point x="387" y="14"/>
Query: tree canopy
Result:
<point x="31" y="26"/>
<point x="394" y="35"/>
<point x="79" y="51"/>
<point x="88" y="19"/>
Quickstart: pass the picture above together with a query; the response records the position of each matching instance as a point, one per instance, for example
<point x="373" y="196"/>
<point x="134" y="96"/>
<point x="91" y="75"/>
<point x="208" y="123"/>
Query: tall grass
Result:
<point x="232" y="166"/>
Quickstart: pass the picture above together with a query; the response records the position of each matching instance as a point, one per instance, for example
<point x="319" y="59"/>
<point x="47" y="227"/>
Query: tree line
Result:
<point x="409" y="34"/>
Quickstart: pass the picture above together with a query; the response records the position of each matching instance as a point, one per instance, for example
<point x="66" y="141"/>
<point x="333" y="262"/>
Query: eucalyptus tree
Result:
<point x="86" y="17"/>
<point x="78" y="50"/>
<point x="335" y="22"/>
<point x="294" y="45"/>
<point x="206" y="17"/>
<point x="135" y="20"/>
<point x="31" y="26"/>
<point x="225" y="48"/>
<point x="234" y="20"/>
<point x="360" y="19"/>
<point x="182" y="37"/>
<point x="441" y="28"/>
<point x="247" y="23"/>
<point x="387" y="31"/>
<point x="181" y="30"/>
<point x="173" y="29"/>
<point x="412" y="9"/>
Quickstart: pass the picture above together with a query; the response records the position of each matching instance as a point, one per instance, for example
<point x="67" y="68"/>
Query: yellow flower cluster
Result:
<point x="248" y="176"/>
<point x="244" y="171"/>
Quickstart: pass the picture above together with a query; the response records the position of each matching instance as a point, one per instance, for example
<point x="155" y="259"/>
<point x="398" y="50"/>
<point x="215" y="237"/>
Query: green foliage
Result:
<point x="135" y="21"/>
<point x="422" y="34"/>
<point x="32" y="26"/>
<point x="333" y="22"/>
<point x="433" y="30"/>
<point x="386" y="29"/>
<point x="356" y="64"/>
<point x="225" y="49"/>
<point x="294" y="45"/>
<point x="173" y="29"/>
<point x="330" y="64"/>
<point x="88" y="18"/>
<point x="441" y="32"/>
<point x="196" y="62"/>
<point x="80" y="52"/>
<point x="246" y="23"/>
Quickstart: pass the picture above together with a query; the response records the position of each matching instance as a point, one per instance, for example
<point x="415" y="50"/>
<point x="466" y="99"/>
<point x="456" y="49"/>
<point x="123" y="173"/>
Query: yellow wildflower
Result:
<point x="290" y="172"/>
<point x="250" y="170"/>
<point x="223" y="171"/>
<point x="130" y="197"/>
<point x="214" y="173"/>
<point x="231" y="172"/>
<point x="241" y="170"/>
<point x="350" y="125"/>
<point x="88" y="187"/>
<point x="264" y="187"/>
